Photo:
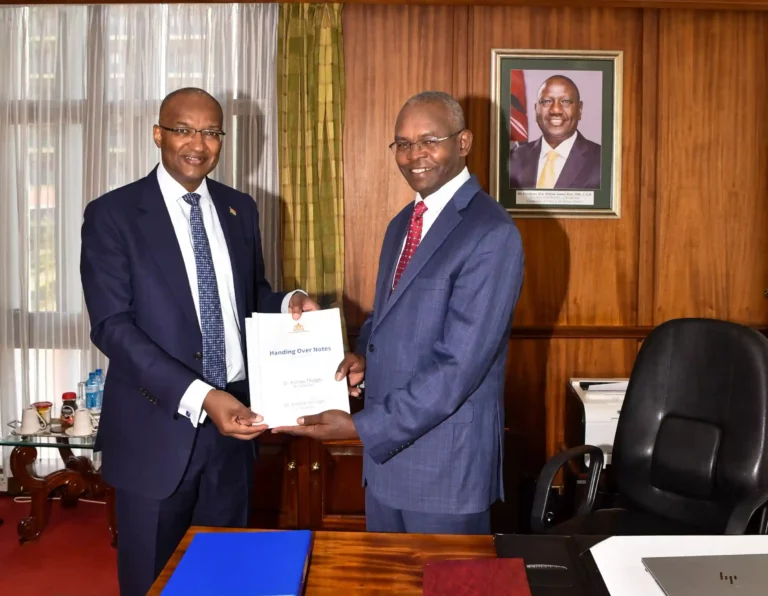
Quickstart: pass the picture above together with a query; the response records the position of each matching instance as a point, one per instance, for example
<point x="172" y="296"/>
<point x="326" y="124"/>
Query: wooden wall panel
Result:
<point x="691" y="240"/>
<point x="712" y="166"/>
<point x="537" y="373"/>
<point x="649" y="138"/>
<point x="577" y="272"/>
<point x="390" y="53"/>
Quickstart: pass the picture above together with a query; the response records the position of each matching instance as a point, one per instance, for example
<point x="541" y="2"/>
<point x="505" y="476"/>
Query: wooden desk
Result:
<point x="364" y="562"/>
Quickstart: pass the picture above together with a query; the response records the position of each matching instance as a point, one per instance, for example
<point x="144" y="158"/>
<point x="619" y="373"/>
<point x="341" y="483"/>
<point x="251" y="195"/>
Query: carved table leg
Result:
<point x="95" y="484"/>
<point x="78" y="464"/>
<point x="22" y="461"/>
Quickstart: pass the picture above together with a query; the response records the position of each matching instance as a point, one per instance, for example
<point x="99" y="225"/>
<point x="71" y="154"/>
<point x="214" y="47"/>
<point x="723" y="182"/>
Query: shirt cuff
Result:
<point x="287" y="299"/>
<point x="191" y="404"/>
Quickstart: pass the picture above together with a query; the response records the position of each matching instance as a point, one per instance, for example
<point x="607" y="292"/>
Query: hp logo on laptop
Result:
<point x="728" y="578"/>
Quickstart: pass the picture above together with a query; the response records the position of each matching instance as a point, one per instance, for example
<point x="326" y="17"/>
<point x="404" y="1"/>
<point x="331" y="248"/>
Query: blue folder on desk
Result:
<point x="243" y="564"/>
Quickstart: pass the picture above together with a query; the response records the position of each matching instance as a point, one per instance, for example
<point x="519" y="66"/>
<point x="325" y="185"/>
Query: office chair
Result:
<point x="690" y="454"/>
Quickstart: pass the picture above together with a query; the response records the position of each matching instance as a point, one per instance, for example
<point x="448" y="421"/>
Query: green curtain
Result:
<point x="310" y="90"/>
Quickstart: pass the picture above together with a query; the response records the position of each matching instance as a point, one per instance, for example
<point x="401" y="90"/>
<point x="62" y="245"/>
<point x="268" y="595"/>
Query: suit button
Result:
<point x="198" y="355"/>
<point x="371" y="348"/>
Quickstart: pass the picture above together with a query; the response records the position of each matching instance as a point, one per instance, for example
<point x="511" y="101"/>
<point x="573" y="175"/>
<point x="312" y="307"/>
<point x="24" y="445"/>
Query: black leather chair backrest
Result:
<point x="693" y="432"/>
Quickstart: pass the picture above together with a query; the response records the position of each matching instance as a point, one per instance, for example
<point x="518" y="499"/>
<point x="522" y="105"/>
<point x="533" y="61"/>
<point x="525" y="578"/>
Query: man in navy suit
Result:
<point x="562" y="157"/>
<point x="433" y="352"/>
<point x="171" y="265"/>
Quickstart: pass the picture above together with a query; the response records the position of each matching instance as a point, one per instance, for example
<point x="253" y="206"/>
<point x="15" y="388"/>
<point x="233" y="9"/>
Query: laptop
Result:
<point x="714" y="575"/>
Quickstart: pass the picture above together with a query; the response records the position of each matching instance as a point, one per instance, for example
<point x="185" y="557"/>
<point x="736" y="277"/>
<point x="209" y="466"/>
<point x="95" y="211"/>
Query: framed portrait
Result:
<point x="556" y="132"/>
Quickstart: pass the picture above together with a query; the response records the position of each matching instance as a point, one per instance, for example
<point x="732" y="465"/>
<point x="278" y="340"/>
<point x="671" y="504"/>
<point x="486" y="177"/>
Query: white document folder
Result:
<point x="292" y="365"/>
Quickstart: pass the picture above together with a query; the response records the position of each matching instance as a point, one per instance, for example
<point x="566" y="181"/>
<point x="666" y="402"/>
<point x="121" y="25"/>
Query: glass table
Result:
<point x="77" y="478"/>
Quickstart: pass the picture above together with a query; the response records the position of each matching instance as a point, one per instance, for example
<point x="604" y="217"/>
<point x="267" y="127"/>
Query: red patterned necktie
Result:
<point x="412" y="241"/>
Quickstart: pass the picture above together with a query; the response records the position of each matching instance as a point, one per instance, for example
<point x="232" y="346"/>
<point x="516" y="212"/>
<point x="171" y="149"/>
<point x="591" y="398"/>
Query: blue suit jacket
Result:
<point x="581" y="169"/>
<point x="143" y="319"/>
<point x="433" y="423"/>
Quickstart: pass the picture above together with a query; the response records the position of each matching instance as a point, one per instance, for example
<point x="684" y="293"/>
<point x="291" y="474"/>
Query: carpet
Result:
<point x="72" y="556"/>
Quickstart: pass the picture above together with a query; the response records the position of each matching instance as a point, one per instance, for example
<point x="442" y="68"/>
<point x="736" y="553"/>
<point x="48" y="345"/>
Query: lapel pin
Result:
<point x="232" y="211"/>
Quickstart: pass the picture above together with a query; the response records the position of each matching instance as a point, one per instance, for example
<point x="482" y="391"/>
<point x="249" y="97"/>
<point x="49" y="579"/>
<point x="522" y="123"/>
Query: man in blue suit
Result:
<point x="434" y="350"/>
<point x="171" y="265"/>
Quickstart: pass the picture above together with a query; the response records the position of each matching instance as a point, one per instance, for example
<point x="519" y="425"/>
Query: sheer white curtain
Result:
<point x="81" y="87"/>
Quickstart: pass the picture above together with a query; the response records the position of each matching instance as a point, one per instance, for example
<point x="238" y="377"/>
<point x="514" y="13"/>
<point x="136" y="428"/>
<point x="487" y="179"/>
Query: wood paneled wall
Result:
<point x="691" y="240"/>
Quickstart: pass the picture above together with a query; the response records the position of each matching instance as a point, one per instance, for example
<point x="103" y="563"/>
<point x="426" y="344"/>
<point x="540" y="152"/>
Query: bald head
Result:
<point x="169" y="106"/>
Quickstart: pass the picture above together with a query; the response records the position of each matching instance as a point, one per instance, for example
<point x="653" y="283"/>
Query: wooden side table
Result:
<point x="77" y="478"/>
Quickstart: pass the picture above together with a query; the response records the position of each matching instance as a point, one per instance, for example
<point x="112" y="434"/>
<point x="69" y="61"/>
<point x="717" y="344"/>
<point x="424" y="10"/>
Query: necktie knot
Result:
<point x="419" y="209"/>
<point x="552" y="156"/>
<point x="192" y="198"/>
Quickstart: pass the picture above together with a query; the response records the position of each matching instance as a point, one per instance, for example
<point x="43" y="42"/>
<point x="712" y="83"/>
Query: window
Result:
<point x="84" y="88"/>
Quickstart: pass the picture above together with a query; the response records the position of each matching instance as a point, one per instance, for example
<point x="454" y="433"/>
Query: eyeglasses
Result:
<point x="189" y="133"/>
<point x="428" y="143"/>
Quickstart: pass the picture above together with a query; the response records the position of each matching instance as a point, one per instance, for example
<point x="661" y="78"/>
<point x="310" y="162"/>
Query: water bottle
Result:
<point x="91" y="392"/>
<point x="100" y="382"/>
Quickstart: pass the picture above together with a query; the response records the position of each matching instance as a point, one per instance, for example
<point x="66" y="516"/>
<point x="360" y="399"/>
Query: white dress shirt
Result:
<point x="191" y="404"/>
<point x="563" y="151"/>
<point x="435" y="202"/>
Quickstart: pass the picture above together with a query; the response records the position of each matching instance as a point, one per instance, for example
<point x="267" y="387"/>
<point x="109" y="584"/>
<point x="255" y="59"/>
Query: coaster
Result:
<point x="70" y="432"/>
<point x="20" y="434"/>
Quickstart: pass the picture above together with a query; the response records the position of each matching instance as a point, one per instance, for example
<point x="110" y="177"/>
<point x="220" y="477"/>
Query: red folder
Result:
<point x="476" y="577"/>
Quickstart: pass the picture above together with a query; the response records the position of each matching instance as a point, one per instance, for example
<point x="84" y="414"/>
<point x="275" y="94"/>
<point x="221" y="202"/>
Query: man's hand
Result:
<point x="352" y="367"/>
<point x="231" y="417"/>
<point x="300" y="303"/>
<point x="332" y="425"/>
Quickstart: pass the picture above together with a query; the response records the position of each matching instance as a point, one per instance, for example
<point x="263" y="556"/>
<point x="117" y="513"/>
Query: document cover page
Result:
<point x="292" y="365"/>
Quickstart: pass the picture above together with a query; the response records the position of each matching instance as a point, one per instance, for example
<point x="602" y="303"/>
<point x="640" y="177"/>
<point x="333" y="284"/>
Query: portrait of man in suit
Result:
<point x="562" y="157"/>
<point x="433" y="352"/>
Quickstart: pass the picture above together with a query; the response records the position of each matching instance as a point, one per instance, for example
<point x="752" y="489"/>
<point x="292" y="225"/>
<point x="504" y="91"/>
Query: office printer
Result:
<point x="592" y="413"/>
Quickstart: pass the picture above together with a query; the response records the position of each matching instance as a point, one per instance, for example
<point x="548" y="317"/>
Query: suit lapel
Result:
<point x="574" y="165"/>
<point x="160" y="237"/>
<point x="448" y="219"/>
<point x="233" y="243"/>
<point x="391" y="251"/>
<point x="531" y="166"/>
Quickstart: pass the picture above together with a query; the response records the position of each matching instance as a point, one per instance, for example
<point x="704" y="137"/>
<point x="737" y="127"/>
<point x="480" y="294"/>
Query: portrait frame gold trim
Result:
<point x="607" y="199"/>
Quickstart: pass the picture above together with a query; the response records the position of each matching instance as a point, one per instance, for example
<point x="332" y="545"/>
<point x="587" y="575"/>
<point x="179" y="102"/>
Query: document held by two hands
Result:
<point x="292" y="365"/>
